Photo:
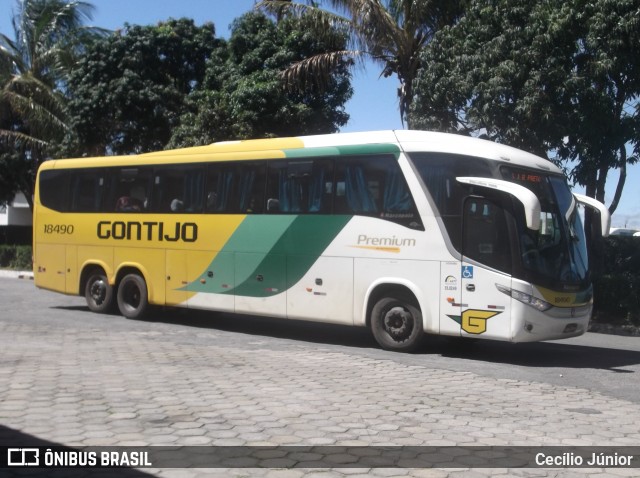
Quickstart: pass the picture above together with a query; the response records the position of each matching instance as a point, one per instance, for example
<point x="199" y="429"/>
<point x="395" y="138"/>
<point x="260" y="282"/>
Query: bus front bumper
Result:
<point x="556" y="323"/>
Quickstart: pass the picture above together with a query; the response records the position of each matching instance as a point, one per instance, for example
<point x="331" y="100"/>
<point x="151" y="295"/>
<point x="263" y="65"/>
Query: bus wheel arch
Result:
<point x="97" y="291"/>
<point x="395" y="318"/>
<point x="132" y="293"/>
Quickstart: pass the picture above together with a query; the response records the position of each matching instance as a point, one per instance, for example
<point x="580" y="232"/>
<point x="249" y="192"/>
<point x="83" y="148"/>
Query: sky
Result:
<point x="374" y="104"/>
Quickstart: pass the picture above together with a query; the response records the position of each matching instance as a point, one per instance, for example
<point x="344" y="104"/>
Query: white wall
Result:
<point x="16" y="213"/>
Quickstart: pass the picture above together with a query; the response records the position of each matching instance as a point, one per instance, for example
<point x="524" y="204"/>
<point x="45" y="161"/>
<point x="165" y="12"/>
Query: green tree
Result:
<point x="391" y="33"/>
<point x="48" y="36"/>
<point x="558" y="78"/>
<point x="607" y="92"/>
<point x="176" y="84"/>
<point x="128" y="92"/>
<point x="242" y="96"/>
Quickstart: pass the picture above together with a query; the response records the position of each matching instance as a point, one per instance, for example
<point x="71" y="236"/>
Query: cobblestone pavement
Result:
<point x="75" y="378"/>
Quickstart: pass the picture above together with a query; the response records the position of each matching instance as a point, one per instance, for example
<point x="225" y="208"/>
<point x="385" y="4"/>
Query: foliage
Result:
<point x="48" y="36"/>
<point x="616" y="291"/>
<point x="555" y="77"/>
<point x="16" y="174"/>
<point x="242" y="96"/>
<point x="391" y="33"/>
<point x="259" y="63"/>
<point x="127" y="93"/>
<point x="16" y="257"/>
<point x="176" y="84"/>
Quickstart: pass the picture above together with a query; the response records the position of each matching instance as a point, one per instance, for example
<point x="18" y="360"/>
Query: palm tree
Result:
<point x="48" y="35"/>
<point x="391" y="33"/>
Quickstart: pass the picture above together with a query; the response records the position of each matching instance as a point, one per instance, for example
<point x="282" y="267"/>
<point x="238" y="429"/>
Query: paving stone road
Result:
<point x="69" y="377"/>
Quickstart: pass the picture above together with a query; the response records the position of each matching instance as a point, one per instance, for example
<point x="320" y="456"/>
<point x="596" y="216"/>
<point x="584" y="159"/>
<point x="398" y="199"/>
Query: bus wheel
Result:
<point x="98" y="292"/>
<point x="132" y="296"/>
<point x="396" y="323"/>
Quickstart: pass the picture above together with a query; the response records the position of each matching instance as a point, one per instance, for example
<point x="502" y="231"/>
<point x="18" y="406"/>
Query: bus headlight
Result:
<point x="530" y="300"/>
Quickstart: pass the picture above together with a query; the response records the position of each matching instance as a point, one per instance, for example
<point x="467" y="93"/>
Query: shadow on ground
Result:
<point x="535" y="354"/>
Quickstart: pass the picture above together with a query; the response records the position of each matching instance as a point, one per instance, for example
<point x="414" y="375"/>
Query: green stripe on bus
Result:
<point x="381" y="148"/>
<point x="254" y="238"/>
<point x="268" y="254"/>
<point x="292" y="256"/>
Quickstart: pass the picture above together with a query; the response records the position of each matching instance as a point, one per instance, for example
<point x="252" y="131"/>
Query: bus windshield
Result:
<point x="556" y="254"/>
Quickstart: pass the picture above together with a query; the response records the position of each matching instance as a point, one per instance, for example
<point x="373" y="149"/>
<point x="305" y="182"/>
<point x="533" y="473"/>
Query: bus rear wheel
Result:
<point x="396" y="323"/>
<point x="98" y="292"/>
<point x="133" y="299"/>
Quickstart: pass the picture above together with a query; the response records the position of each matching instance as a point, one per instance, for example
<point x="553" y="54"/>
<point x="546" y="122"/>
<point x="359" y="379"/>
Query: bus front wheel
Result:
<point x="133" y="300"/>
<point x="98" y="292"/>
<point x="396" y="323"/>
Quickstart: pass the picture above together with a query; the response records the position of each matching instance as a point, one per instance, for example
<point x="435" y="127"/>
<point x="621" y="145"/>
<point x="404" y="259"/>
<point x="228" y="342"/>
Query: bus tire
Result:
<point x="133" y="299"/>
<point x="396" y="323"/>
<point x="98" y="292"/>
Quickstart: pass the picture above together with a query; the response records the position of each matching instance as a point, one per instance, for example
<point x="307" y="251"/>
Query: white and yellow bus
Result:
<point x="405" y="232"/>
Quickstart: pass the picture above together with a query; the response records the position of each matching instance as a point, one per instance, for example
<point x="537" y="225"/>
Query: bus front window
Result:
<point x="555" y="255"/>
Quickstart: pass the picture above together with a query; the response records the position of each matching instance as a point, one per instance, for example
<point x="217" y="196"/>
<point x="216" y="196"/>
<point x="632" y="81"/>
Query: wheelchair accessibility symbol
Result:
<point x="467" y="272"/>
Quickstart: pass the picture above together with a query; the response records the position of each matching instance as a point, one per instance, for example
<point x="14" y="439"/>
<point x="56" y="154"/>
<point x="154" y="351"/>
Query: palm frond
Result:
<point x="33" y="87"/>
<point x="375" y="26"/>
<point x="48" y="33"/>
<point x="321" y="21"/>
<point x="41" y="122"/>
<point x="20" y="140"/>
<point x="36" y="104"/>
<point x="316" y="70"/>
<point x="10" y="56"/>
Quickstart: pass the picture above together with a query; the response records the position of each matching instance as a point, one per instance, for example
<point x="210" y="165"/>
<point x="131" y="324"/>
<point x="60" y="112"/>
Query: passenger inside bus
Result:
<point x="133" y="202"/>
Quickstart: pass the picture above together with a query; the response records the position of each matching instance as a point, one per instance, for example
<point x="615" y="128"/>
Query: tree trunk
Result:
<point x="621" y="180"/>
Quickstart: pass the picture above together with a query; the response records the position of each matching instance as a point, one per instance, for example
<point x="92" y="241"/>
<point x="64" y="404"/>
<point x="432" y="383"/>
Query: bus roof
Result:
<point x="406" y="140"/>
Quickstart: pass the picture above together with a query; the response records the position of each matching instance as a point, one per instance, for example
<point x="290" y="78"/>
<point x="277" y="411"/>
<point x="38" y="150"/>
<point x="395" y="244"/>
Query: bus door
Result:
<point x="486" y="261"/>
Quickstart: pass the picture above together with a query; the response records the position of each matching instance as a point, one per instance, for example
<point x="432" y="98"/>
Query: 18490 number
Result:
<point x="58" y="228"/>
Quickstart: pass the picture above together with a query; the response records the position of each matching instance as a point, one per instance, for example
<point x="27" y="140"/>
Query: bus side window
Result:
<point x="54" y="189"/>
<point x="178" y="189"/>
<point x="250" y="193"/>
<point x="300" y="186"/>
<point x="131" y="189"/>
<point x="219" y="185"/>
<point x="235" y="187"/>
<point x="357" y="187"/>
<point x="375" y="186"/>
<point x="87" y="190"/>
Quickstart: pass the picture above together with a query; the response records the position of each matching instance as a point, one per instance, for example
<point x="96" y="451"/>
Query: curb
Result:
<point x="16" y="274"/>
